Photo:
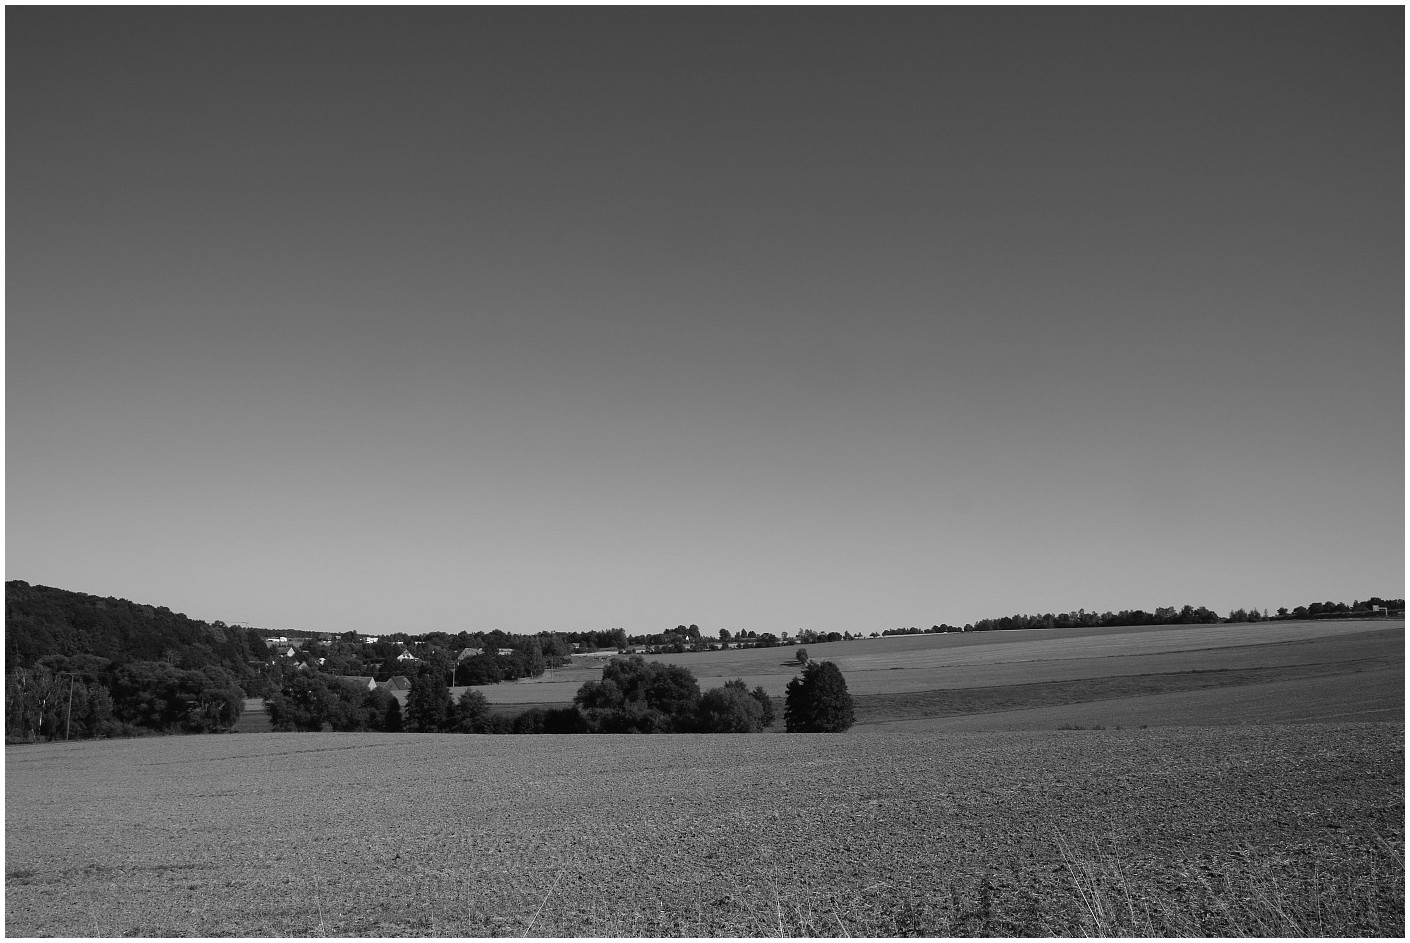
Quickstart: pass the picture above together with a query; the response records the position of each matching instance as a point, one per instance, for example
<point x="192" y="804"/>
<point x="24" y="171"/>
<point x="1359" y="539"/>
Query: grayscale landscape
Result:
<point x="706" y="471"/>
<point x="1267" y="800"/>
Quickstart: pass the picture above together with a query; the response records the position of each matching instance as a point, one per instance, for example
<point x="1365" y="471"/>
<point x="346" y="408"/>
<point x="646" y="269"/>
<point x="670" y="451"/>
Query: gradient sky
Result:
<point x="844" y="319"/>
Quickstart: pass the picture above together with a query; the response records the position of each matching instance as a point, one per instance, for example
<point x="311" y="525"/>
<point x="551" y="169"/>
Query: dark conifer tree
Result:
<point x="391" y="723"/>
<point x="818" y="701"/>
<point x="429" y="708"/>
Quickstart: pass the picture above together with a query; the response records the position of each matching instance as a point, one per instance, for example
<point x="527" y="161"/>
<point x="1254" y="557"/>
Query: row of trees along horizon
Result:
<point x="83" y="666"/>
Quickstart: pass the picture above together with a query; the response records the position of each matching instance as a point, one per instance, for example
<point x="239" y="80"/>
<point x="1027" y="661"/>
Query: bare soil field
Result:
<point x="888" y="830"/>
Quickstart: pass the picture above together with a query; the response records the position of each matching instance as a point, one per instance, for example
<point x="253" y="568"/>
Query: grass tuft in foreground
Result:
<point x="1359" y="896"/>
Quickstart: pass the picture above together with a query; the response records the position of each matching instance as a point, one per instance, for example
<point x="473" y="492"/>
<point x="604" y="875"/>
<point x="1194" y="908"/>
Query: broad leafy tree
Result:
<point x="302" y="704"/>
<point x="730" y="709"/>
<point x="637" y="696"/>
<point x="472" y="713"/>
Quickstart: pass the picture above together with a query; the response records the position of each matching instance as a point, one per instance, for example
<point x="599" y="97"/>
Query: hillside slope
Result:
<point x="43" y="620"/>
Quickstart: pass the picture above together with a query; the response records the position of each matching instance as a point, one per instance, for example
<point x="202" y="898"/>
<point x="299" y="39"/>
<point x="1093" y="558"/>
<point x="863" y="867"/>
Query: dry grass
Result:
<point x="1361" y="897"/>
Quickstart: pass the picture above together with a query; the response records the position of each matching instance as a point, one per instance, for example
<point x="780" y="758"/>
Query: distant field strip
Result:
<point x="1169" y="639"/>
<point x="883" y="708"/>
<point x="1373" y="696"/>
<point x="908" y="666"/>
<point x="1018" y="645"/>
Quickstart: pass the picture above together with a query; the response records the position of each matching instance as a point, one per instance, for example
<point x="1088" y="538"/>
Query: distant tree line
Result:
<point x="1166" y="615"/>
<point x="594" y="641"/>
<point x="1081" y="618"/>
<point x="1332" y="610"/>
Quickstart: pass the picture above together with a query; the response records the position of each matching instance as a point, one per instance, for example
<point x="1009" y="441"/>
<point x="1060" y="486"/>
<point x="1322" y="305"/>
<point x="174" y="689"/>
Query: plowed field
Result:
<point x="883" y="831"/>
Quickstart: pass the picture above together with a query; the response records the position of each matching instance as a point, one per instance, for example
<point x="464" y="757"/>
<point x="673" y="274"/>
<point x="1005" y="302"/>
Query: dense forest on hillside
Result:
<point x="81" y="666"/>
<point x="41" y="621"/>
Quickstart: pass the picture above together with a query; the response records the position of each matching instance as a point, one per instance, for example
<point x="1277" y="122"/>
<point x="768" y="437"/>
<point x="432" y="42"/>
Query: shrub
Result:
<point x="730" y="709"/>
<point x="499" y="723"/>
<point x="818" y="701"/>
<point x="529" y="721"/>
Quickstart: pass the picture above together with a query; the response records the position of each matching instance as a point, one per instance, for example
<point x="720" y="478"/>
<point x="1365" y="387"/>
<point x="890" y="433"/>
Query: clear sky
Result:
<point x="843" y="319"/>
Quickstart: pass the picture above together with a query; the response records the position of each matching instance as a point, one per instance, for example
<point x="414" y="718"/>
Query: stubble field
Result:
<point x="908" y="826"/>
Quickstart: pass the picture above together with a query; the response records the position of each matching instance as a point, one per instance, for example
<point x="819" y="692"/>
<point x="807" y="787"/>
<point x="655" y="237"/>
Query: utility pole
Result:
<point x="68" y="714"/>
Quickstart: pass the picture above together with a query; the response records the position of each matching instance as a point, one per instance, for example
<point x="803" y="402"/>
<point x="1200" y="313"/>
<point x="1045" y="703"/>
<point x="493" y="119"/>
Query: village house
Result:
<point x="472" y="652"/>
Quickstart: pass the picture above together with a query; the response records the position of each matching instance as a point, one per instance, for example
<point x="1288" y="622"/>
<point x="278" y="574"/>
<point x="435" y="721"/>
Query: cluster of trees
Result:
<point x="751" y="639"/>
<point x="1332" y="610"/>
<point x="593" y="641"/>
<point x="308" y="701"/>
<point x="636" y="696"/>
<point x="498" y="656"/>
<point x="633" y="696"/>
<point x="43" y="705"/>
<point x="85" y="696"/>
<point x="524" y="657"/>
<point x="682" y="637"/>
<point x="809" y="636"/>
